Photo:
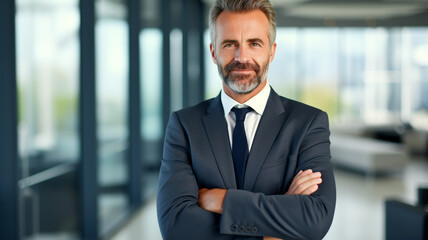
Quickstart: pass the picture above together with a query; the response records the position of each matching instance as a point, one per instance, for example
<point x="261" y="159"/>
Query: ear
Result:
<point x="272" y="52"/>
<point x="212" y="50"/>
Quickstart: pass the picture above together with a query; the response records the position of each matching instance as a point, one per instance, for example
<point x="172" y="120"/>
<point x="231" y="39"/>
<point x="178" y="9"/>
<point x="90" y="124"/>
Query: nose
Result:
<point x="242" y="54"/>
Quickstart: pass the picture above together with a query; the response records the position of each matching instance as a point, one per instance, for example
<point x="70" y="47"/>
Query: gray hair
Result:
<point x="240" y="6"/>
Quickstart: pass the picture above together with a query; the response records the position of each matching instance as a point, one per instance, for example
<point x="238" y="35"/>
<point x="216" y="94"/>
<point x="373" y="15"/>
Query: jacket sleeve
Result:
<point x="289" y="216"/>
<point x="179" y="215"/>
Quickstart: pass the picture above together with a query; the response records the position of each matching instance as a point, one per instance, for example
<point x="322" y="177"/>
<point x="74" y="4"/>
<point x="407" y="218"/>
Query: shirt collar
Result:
<point x="257" y="103"/>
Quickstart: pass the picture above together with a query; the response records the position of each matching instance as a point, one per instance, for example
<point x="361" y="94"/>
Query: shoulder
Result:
<point x="304" y="117"/>
<point x="198" y="109"/>
<point x="192" y="113"/>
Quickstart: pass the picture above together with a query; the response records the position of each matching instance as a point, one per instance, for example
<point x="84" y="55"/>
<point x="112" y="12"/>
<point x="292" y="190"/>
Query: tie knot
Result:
<point x="241" y="112"/>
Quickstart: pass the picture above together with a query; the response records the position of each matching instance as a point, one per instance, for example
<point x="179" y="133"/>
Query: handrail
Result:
<point x="46" y="175"/>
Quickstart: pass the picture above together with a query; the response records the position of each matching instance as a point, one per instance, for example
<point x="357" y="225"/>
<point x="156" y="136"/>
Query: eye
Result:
<point x="229" y="45"/>
<point x="255" y="44"/>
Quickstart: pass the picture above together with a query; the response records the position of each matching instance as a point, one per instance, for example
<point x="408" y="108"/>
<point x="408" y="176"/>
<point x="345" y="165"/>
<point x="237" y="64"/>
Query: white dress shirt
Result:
<point x="252" y="119"/>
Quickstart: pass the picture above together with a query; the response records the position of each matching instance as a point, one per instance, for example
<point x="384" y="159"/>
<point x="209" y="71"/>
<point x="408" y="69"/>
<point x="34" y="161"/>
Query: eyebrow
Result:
<point x="228" y="41"/>
<point x="255" y="40"/>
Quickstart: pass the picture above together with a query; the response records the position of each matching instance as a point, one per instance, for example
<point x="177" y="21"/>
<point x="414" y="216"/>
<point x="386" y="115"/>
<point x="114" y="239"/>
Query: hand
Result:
<point x="212" y="199"/>
<point x="270" y="238"/>
<point x="305" y="183"/>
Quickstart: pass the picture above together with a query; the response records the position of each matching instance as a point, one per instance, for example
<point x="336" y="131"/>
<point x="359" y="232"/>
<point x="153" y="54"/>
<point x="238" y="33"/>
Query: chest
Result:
<point x="270" y="168"/>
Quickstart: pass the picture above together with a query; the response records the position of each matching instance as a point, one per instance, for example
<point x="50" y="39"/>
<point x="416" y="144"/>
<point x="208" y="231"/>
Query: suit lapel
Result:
<point x="269" y="126"/>
<point x="216" y="130"/>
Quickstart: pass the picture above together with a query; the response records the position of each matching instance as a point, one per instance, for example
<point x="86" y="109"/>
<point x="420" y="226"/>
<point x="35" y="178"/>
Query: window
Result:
<point x="151" y="97"/>
<point x="47" y="50"/>
<point x="111" y="42"/>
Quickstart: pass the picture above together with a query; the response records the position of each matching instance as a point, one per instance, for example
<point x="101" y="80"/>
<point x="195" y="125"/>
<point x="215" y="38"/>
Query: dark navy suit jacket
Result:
<point x="290" y="137"/>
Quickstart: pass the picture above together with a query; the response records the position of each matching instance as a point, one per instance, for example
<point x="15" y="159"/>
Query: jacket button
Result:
<point x="233" y="227"/>
<point x="241" y="228"/>
<point x="254" y="230"/>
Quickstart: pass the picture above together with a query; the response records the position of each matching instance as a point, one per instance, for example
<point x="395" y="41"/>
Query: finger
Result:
<point x="303" y="178"/>
<point x="310" y="190"/>
<point x="300" y="188"/>
<point x="307" y="184"/>
<point x="308" y="175"/>
<point x="301" y="173"/>
<point x="311" y="181"/>
<point x="306" y="172"/>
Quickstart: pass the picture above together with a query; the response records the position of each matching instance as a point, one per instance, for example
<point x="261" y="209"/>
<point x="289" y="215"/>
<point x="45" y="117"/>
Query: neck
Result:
<point x="241" y="98"/>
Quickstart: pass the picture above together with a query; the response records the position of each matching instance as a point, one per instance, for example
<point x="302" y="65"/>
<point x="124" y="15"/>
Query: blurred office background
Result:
<point x="86" y="89"/>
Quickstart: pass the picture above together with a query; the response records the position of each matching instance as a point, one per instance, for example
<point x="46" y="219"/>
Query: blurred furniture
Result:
<point x="405" y="221"/>
<point x="416" y="142"/>
<point x="367" y="155"/>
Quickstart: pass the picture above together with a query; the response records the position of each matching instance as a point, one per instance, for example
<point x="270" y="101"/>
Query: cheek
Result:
<point x="226" y="52"/>
<point x="225" y="57"/>
<point x="262" y="57"/>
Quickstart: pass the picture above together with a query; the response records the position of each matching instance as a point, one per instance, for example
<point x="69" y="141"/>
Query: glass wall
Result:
<point x="47" y="58"/>
<point x="151" y="87"/>
<point x="111" y="41"/>
<point x="362" y="75"/>
<point x="151" y="105"/>
<point x="73" y="63"/>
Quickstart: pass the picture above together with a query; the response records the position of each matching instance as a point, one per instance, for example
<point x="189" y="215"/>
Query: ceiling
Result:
<point x="358" y="13"/>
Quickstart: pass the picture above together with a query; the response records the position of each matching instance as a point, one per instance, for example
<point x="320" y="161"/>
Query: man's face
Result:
<point x="242" y="49"/>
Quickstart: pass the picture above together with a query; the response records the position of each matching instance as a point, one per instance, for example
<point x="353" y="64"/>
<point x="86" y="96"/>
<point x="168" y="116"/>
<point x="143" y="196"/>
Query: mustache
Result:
<point x="236" y="65"/>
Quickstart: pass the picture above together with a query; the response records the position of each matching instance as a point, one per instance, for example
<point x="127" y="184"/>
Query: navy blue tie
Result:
<point x="240" y="145"/>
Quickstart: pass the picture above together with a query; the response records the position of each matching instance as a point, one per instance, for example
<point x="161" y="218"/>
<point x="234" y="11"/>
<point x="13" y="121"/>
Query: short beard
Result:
<point x="233" y="80"/>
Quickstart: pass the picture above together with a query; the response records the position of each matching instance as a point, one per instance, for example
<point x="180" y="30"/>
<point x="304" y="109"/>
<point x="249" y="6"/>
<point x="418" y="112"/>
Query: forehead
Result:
<point x="249" y="23"/>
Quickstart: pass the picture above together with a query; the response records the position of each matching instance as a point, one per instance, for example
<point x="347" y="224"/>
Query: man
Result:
<point x="247" y="164"/>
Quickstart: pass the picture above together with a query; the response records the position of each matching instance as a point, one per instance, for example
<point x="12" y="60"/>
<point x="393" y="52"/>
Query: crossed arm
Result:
<point x="304" y="183"/>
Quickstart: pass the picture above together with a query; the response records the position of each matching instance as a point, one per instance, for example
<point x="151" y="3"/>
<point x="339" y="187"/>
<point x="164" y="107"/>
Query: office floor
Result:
<point x="359" y="209"/>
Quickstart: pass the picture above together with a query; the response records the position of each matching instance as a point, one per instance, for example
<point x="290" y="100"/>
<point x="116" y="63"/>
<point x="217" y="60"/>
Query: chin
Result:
<point x="243" y="88"/>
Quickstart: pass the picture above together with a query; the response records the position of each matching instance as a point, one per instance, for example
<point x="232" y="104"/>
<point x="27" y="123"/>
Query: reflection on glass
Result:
<point x="151" y="86"/>
<point x="47" y="72"/>
<point x="176" y="62"/>
<point x="366" y="75"/>
<point x="47" y="49"/>
<point x="151" y="40"/>
<point x="111" y="34"/>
